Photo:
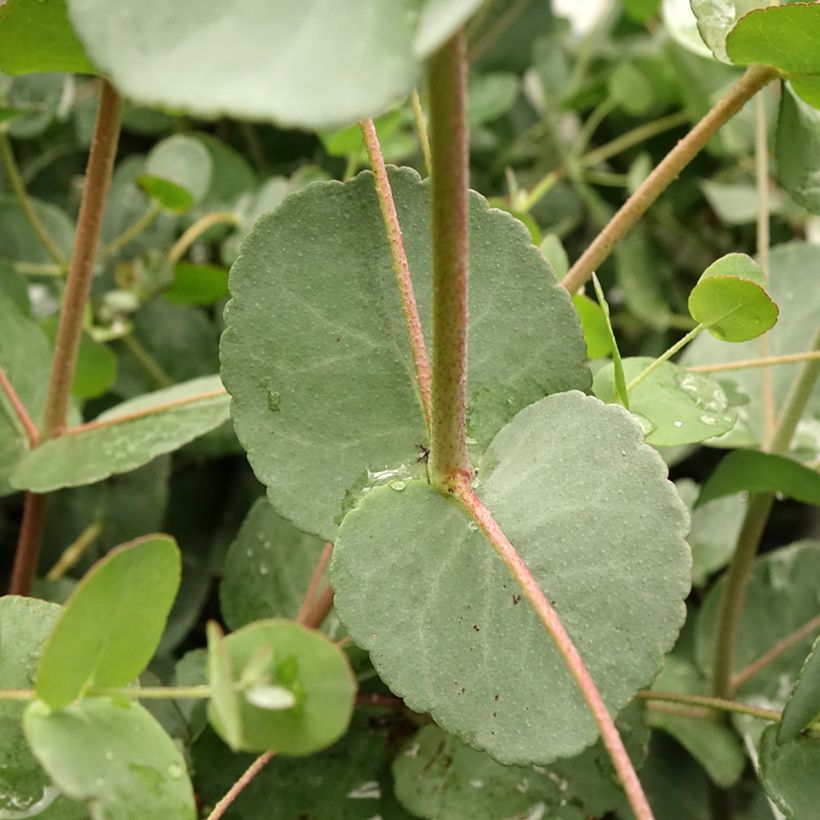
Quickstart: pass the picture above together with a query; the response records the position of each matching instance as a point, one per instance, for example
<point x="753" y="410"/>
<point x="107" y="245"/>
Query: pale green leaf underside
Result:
<point x="309" y="63"/>
<point x="114" y="756"/>
<point x="316" y="356"/>
<point x="588" y="507"/>
<point x="803" y="705"/>
<point x="793" y="286"/>
<point x="789" y="774"/>
<point x="113" y="621"/>
<point x="716" y="18"/>
<point x="96" y="453"/>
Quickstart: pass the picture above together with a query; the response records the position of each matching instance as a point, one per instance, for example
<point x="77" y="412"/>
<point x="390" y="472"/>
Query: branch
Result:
<point x="315" y="609"/>
<point x="745" y="364"/>
<point x="665" y="173"/>
<point x="715" y="704"/>
<point x="415" y="334"/>
<point x="575" y="665"/>
<point x="29" y="427"/>
<point x="225" y="803"/>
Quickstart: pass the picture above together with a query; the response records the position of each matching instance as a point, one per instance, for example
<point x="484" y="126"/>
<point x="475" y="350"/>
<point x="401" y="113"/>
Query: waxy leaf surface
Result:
<point x="587" y="505"/>
<point x="316" y="357"/>
<point x="113" y="756"/>
<point x="113" y="621"/>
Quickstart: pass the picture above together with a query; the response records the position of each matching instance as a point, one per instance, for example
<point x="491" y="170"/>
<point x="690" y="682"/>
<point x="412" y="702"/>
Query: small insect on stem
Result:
<point x="424" y="454"/>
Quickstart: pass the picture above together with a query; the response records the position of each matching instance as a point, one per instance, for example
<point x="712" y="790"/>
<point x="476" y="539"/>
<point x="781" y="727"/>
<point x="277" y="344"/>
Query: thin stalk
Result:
<point x="132" y="231"/>
<point x="771" y="655"/>
<point x="665" y="173"/>
<point x="319" y="609"/>
<point x="665" y="356"/>
<point x="421" y="130"/>
<point x="315" y="581"/>
<point x="733" y="600"/>
<point x="20" y="413"/>
<point x="38" y="269"/>
<point x="204" y="223"/>
<point x="716" y="704"/>
<point x="497" y="30"/>
<point x="447" y="84"/>
<point x="19" y="188"/>
<point x="462" y="489"/>
<point x="28" y="544"/>
<point x="596" y="117"/>
<point x="746" y="364"/>
<point x="762" y="186"/>
<point x="227" y="801"/>
<point x="74" y="551"/>
<point x="390" y="217"/>
<point x="539" y="191"/>
<point x="148" y="363"/>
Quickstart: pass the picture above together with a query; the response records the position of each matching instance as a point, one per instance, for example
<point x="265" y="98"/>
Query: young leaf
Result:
<point x="37" y="37"/>
<point x="317" y="86"/>
<point x="419" y="587"/>
<point x="114" y="756"/>
<point x="730" y="299"/>
<point x="315" y="352"/>
<point x="314" y="670"/>
<point x="797" y="147"/>
<point x="24" y="626"/>
<point x="788" y="772"/>
<point x="757" y="472"/>
<point x="673" y="406"/>
<point x="113" y="621"/>
<point x="125" y="437"/>
<point x="619" y="380"/>
<point x="784" y="37"/>
<point x="177" y="173"/>
<point x="803" y="706"/>
<point x="267" y="569"/>
<point x="224" y="702"/>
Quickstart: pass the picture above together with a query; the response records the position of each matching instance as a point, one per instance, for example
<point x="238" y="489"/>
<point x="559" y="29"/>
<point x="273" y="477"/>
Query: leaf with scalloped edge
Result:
<point x="587" y="505"/>
<point x="315" y="352"/>
<point x="803" y="706"/>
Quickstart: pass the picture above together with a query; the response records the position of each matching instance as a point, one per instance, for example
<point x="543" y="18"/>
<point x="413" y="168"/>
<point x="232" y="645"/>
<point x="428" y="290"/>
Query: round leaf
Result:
<point x="315" y="352"/>
<point x="302" y="661"/>
<point x="113" y="621"/>
<point x="582" y="498"/>
<point x="673" y="406"/>
<point x="730" y="300"/>
<point x="177" y="173"/>
<point x="716" y="18"/>
<point x="315" y="64"/>
<point x="114" y="756"/>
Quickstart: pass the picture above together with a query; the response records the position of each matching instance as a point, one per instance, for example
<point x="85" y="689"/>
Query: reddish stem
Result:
<point x="28" y="544"/>
<point x="225" y="803"/>
<point x="462" y="489"/>
<point x="395" y="240"/>
<point x="19" y="408"/>
<point x="315" y="580"/>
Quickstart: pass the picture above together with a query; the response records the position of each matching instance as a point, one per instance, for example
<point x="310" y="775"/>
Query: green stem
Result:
<point x="746" y="364"/>
<point x="665" y="173"/>
<point x="447" y="84"/>
<point x="664" y="357"/>
<point x="596" y="117"/>
<point x="147" y="361"/>
<point x="196" y="230"/>
<point x="131" y="232"/>
<point x="421" y="130"/>
<point x="69" y="332"/>
<point x="19" y="188"/>
<point x="718" y="704"/>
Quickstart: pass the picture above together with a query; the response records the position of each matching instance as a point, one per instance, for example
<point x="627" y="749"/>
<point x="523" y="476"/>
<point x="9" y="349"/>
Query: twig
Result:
<point x="421" y="130"/>
<point x="196" y="230"/>
<point x="225" y="803"/>
<point x="387" y="205"/>
<point x="664" y="174"/>
<point x="716" y="704"/>
<point x="313" y="585"/>
<point x="74" y="551"/>
<point x="26" y="422"/>
<point x="132" y="231"/>
<point x="745" y="364"/>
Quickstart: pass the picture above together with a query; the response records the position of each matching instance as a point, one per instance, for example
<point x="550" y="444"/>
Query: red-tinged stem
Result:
<point x="319" y="608"/>
<point x="315" y="580"/>
<point x="70" y="329"/>
<point x="462" y="489"/>
<point x="449" y="140"/>
<point x="227" y="801"/>
<point x="29" y="427"/>
<point x="395" y="240"/>
<point x="665" y="173"/>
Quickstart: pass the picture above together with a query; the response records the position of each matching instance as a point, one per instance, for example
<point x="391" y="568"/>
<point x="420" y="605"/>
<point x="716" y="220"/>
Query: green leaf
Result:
<point x="736" y="203"/>
<point x="595" y="326"/>
<point x="198" y="284"/>
<point x="797" y="147"/>
<point x="788" y="772"/>
<point x="419" y="587"/>
<point x="125" y="437"/>
<point x="716" y="18"/>
<point x="37" y="37"/>
<point x="224" y="702"/>
<point x="17" y="238"/>
<point x="114" y="756"/>
<point x="730" y="299"/>
<point x="491" y="96"/>
<point x="780" y="599"/>
<point x="714" y="745"/>
<point x="631" y="89"/>
<point x="112" y="623"/>
<point x="267" y="569"/>
<point x="792" y="284"/>
<point x="807" y="87"/>
<point x="672" y="405"/>
<point x="619" y="381"/>
<point x="24" y="626"/>
<point x="438" y="776"/>
<point x="803" y="706"/>
<point x="757" y="472"/>
<point x="321" y="396"/>
<point x="317" y="85"/>
<point x="285" y="654"/>
<point x="177" y="173"/>
<point x="784" y="37"/>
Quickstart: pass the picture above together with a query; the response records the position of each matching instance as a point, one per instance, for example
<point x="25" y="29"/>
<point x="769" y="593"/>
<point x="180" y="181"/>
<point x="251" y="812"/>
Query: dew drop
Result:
<point x="175" y="771"/>
<point x="647" y="425"/>
<point x="709" y="421"/>
<point x="263" y="569"/>
<point x="678" y="423"/>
